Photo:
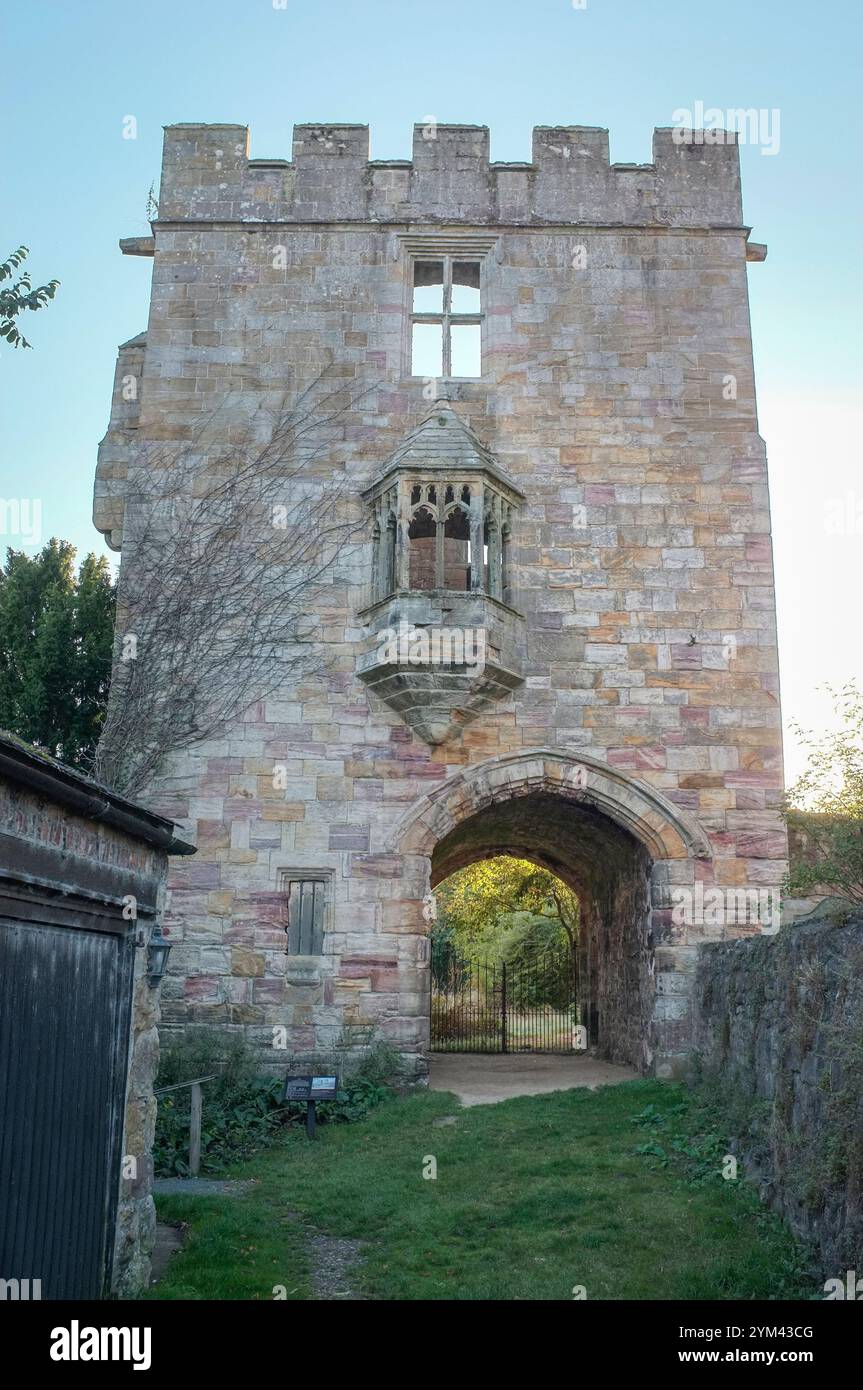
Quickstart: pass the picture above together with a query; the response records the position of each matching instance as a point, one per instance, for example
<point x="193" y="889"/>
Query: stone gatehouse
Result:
<point x="553" y="633"/>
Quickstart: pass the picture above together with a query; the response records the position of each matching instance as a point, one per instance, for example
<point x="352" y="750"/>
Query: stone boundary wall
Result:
<point x="779" y="1034"/>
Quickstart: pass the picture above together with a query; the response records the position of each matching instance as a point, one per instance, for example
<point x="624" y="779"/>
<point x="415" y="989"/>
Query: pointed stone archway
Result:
<point x="619" y="844"/>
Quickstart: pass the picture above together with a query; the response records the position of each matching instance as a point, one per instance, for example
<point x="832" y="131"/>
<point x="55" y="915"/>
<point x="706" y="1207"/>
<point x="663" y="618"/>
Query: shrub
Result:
<point x="243" y="1111"/>
<point x="457" y="1019"/>
<point x="453" y="1022"/>
<point x="379" y="1064"/>
<point x="824" y="807"/>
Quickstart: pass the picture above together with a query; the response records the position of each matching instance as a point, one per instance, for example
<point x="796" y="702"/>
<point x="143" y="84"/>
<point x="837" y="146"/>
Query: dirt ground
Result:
<point x="479" y="1079"/>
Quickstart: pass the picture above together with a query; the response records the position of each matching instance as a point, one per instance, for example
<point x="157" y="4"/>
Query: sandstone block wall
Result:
<point x="618" y="394"/>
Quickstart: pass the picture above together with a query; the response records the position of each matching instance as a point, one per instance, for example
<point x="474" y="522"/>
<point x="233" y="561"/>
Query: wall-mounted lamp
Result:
<point x="158" y="950"/>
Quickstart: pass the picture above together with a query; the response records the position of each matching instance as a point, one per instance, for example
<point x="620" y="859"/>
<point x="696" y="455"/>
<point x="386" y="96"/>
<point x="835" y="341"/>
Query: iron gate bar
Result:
<point x="503" y="1008"/>
<point x="526" y="1005"/>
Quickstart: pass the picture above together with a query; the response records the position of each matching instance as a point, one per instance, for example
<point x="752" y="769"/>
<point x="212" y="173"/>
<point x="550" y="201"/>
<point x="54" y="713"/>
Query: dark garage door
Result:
<point x="64" y="1001"/>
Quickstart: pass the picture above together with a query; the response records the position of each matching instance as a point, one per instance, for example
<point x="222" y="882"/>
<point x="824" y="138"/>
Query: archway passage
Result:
<point x="504" y="961"/>
<point x="622" y="847"/>
<point x="609" y="871"/>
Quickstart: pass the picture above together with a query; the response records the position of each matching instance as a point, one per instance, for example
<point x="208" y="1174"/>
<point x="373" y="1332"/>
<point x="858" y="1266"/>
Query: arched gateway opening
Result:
<point x="504" y="960"/>
<point x="620" y="846"/>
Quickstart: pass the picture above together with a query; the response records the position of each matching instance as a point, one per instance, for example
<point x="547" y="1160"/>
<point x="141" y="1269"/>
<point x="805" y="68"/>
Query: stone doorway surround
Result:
<point x="619" y="844"/>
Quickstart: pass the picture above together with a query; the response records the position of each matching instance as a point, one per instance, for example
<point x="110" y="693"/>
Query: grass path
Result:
<point x="615" y="1190"/>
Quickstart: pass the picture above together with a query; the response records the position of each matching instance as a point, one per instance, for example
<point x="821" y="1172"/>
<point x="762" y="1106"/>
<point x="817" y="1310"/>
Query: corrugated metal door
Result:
<point x="64" y="1009"/>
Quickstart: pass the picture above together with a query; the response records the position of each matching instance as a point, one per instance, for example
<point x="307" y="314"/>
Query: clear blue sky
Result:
<point x="73" y="186"/>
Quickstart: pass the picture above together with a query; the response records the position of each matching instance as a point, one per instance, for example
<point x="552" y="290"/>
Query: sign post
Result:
<point x="310" y="1089"/>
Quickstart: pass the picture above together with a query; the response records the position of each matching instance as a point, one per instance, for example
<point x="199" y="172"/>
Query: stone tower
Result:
<point x="555" y="634"/>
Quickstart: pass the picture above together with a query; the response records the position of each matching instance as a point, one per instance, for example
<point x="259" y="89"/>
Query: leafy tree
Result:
<point x="505" y="905"/>
<point x="56" y="635"/>
<point x="16" y="298"/>
<point x="825" y="805"/>
<point x="525" y="934"/>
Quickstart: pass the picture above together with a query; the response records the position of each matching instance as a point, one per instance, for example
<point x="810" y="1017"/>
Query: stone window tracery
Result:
<point x="442" y="511"/>
<point x="442" y="535"/>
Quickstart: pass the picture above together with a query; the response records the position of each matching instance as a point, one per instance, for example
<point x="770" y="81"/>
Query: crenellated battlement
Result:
<point x="207" y="175"/>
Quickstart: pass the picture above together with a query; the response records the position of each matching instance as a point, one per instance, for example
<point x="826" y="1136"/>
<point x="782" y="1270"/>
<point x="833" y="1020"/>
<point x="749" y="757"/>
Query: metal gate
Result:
<point x="64" y="1006"/>
<point x="526" y="1005"/>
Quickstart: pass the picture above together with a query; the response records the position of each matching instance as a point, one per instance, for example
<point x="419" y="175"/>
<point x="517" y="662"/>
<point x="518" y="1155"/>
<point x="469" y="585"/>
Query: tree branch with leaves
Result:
<point x="19" y="297"/>
<point x="825" y="805"/>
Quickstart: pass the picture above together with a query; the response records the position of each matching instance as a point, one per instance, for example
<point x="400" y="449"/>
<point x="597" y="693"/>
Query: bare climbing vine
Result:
<point x="228" y="540"/>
